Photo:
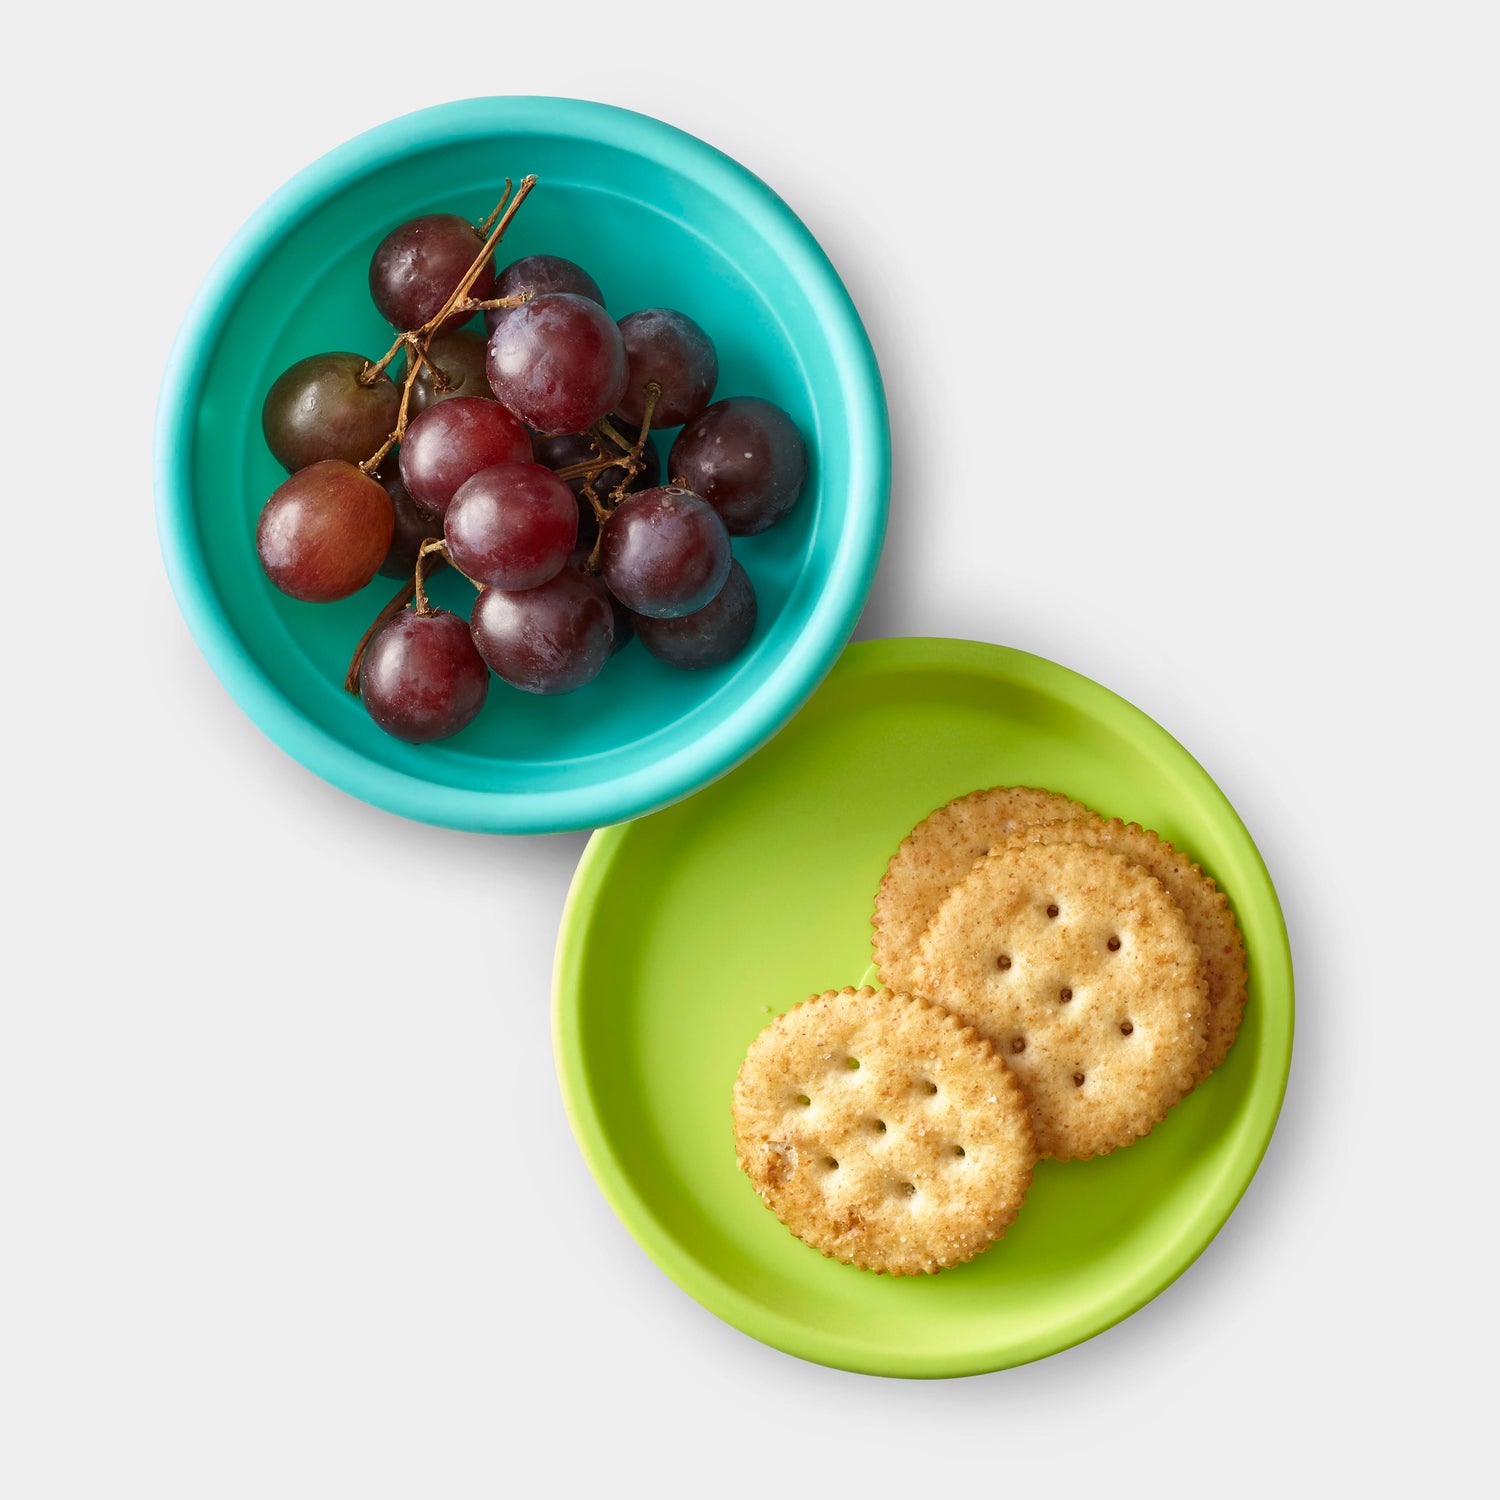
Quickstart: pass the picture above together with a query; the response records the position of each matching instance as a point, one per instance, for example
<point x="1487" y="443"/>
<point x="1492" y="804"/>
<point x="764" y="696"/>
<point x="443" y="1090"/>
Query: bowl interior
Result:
<point x="658" y="219"/>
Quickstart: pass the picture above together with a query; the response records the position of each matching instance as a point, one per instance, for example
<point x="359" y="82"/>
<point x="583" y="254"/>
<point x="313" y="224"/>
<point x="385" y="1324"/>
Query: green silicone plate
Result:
<point x="686" y="930"/>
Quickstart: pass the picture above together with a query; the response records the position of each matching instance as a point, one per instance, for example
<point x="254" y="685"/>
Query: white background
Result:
<point x="1189" y="321"/>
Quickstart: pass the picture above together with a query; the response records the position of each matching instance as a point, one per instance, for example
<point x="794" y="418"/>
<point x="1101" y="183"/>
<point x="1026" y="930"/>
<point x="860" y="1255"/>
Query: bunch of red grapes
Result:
<point x="520" y="454"/>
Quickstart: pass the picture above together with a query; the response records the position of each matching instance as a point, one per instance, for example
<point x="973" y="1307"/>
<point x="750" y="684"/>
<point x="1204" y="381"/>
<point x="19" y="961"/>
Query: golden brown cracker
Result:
<point x="882" y="1131"/>
<point x="1083" y="971"/>
<point x="938" y="853"/>
<point x="1204" y="905"/>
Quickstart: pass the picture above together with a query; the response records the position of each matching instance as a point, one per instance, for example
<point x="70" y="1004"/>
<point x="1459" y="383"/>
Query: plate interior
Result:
<point x="688" y="929"/>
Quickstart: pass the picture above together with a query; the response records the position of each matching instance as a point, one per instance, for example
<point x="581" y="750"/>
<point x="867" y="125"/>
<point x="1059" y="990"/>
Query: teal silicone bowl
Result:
<point x="659" y="219"/>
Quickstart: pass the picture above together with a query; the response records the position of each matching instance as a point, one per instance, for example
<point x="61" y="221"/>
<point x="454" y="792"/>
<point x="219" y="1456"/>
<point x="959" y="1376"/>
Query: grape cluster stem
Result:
<point x="416" y="340"/>
<point x="628" y="458"/>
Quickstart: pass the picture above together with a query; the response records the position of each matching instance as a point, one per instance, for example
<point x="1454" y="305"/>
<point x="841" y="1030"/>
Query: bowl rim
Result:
<point x="728" y="740"/>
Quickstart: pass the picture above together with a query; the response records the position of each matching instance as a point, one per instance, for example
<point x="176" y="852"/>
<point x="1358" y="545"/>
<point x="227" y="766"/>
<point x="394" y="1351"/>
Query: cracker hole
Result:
<point x="831" y="1162"/>
<point x="959" y="1151"/>
<point x="927" y="1085"/>
<point x="909" y="1188"/>
<point x="1019" y="1045"/>
<point x="1003" y="962"/>
<point x="1113" y="945"/>
<point x="852" y="1062"/>
<point x="1052" y="909"/>
<point x="1065" y="994"/>
<point x="1078" y="1080"/>
<point x="803" y="1100"/>
<point x="878" y="1126"/>
<point x="1126" y="1028"/>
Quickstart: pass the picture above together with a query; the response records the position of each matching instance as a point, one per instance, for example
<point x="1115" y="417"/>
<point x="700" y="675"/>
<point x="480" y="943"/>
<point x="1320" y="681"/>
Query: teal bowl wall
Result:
<point x="659" y="219"/>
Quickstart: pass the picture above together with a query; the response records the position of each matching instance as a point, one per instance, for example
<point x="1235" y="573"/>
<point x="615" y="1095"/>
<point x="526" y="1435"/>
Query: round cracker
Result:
<point x="1082" y="970"/>
<point x="882" y="1131"/>
<point x="938" y="853"/>
<point x="1204" y="905"/>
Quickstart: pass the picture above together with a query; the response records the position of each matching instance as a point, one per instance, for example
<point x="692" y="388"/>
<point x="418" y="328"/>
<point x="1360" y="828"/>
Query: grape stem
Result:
<point x="416" y="340"/>
<point x="483" y="229"/>
<point x="461" y="291"/>
<point x="433" y="545"/>
<point x="632" y="462"/>
<point x="653" y="395"/>
<point x="605" y="428"/>
<point x="481" y="304"/>
<point x="415" y="361"/>
<point x="368" y="374"/>
<point x="593" y="563"/>
<point x="591" y="468"/>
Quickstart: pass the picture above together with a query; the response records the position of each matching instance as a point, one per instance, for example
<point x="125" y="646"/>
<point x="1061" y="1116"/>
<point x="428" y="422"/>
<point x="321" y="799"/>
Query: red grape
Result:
<point x="666" y="553"/>
<point x="413" y="525"/>
<point x="418" y="264"/>
<point x="711" y="635"/>
<point x="452" y="441"/>
<point x="324" y="532"/>
<point x="550" y="639"/>
<point x="421" y="678"/>
<point x="319" y="409"/>
<point x="558" y="363"/>
<point x="671" y="349"/>
<point x="511" y="527"/>
<point x="746" y="458"/>
<point x="535" y="276"/>
<point x="460" y="356"/>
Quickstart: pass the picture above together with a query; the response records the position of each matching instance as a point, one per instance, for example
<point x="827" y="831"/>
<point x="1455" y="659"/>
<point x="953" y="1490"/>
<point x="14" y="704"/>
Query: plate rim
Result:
<point x="719" y="1296"/>
<point x="728" y="741"/>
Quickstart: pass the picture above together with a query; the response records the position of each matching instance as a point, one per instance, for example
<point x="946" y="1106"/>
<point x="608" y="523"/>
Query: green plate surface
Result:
<point x="686" y="930"/>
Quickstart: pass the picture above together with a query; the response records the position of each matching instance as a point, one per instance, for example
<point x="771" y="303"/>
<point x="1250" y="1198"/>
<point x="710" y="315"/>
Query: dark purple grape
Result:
<point x="710" y="636"/>
<point x="324" y="532"/>
<point x="453" y="441"/>
<point x="671" y="349"/>
<point x="416" y="267"/>
<point x="746" y="458"/>
<point x="550" y="639"/>
<point x="413" y="525"/>
<point x="536" y="276"/>
<point x="511" y="527"/>
<point x="421" y="678"/>
<point x="460" y="356"/>
<point x="558" y="363"/>
<point x="666" y="553"/>
<point x="319" y="409"/>
<point x="588" y="534"/>
<point x="624" y="625"/>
